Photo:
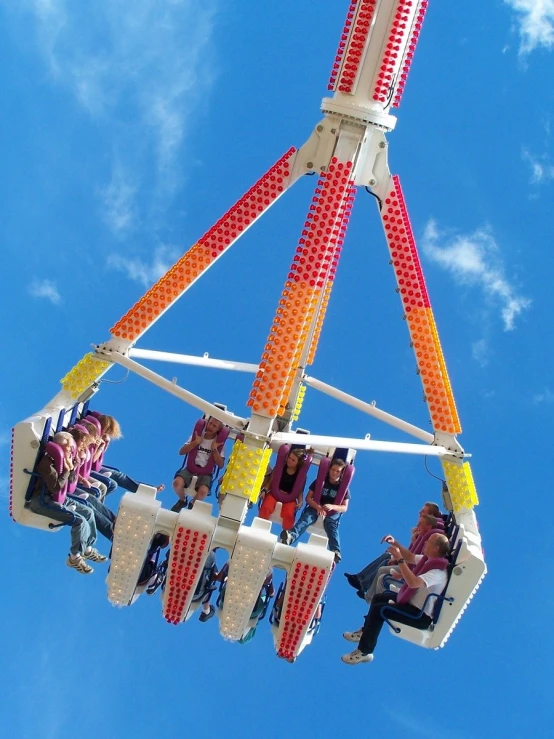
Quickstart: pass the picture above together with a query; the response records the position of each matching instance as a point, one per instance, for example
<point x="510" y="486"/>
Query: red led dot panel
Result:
<point x="409" y="53"/>
<point x="417" y="309"/>
<point x="180" y="277"/>
<point x="11" y="474"/>
<point x="189" y="551"/>
<point x="352" y="45"/>
<point x="397" y="51"/>
<point x="305" y="587"/>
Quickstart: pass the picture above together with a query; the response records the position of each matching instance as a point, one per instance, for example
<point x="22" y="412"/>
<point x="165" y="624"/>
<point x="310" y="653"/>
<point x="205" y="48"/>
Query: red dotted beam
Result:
<point x="11" y="474"/>
<point x="181" y="276"/>
<point x="417" y="310"/>
<point x="189" y="551"/>
<point x="409" y="53"/>
<point x="307" y="583"/>
<point x="398" y="51"/>
<point x="313" y="263"/>
<point x="352" y="45"/>
<point x="320" y="317"/>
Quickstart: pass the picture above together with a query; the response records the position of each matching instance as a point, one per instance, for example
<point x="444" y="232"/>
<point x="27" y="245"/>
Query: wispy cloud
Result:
<point x="535" y="21"/>
<point x="140" y="70"/>
<point x="481" y="351"/>
<point x="546" y="396"/>
<point x="118" y="199"/>
<point x="475" y="260"/>
<point x="45" y="289"/>
<point x="542" y="171"/>
<point x="142" y="272"/>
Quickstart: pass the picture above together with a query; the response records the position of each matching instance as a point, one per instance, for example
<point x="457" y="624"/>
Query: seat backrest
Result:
<point x="299" y="481"/>
<point x="345" y="478"/>
<point x="419" y="543"/>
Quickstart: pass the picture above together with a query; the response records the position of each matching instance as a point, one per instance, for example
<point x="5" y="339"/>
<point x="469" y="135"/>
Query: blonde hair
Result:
<point x="110" y="426"/>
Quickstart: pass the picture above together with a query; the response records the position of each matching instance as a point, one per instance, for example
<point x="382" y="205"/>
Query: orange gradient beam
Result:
<point x="312" y="265"/>
<point x="419" y="315"/>
<point x="210" y="247"/>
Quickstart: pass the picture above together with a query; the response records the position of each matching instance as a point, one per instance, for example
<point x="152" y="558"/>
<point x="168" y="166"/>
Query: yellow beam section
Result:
<point x="245" y="471"/>
<point x="460" y="485"/>
<point x="210" y="247"/>
<point x="87" y="371"/>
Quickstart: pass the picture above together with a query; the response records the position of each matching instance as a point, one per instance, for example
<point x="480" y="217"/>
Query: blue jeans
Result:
<point x="330" y="524"/>
<point x="110" y="484"/>
<point x="104" y="518"/>
<point x="120" y="479"/>
<point x="81" y="520"/>
<point x="369" y="573"/>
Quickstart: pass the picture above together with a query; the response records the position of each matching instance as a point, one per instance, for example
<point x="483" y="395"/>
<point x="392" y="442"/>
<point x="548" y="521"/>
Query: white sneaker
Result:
<point x="79" y="564"/>
<point x="94" y="555"/>
<point x="355" y="657"/>
<point x="353" y="636"/>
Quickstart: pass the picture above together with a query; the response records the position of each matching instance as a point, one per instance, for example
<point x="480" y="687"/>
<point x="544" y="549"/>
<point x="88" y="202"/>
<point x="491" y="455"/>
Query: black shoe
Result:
<point x="285" y="537"/>
<point x="354" y="581"/>
<point x="206" y="616"/>
<point x="360" y="594"/>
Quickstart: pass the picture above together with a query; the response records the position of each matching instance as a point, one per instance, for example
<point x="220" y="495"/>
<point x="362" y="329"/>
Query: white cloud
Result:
<point x="546" y="396"/>
<point x="475" y="260"/>
<point x="480" y="351"/>
<point x="45" y="289"/>
<point x="140" y="271"/>
<point x="140" y="70"/>
<point x="542" y="171"/>
<point x="535" y="19"/>
<point x="118" y="200"/>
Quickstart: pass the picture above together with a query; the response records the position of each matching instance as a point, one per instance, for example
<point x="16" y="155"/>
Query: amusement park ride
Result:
<point x="347" y="150"/>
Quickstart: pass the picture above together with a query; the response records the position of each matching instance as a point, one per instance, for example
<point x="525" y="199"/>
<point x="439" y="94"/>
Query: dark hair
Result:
<point x="433" y="509"/>
<point x="431" y="520"/>
<point x="338" y="462"/>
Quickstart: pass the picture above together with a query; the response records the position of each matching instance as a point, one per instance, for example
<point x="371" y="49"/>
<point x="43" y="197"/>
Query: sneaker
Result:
<point x="94" y="555"/>
<point x="338" y="557"/>
<point x="79" y="564"/>
<point x="285" y="537"/>
<point x="355" y="657"/>
<point x="206" y="616"/>
<point x="353" y="636"/>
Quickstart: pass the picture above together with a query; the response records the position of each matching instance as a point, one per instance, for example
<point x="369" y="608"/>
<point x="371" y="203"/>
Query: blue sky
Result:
<point x="127" y="130"/>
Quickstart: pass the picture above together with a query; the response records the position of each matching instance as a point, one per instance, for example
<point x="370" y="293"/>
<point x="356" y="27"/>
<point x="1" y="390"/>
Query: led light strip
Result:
<point x="306" y="583"/>
<point x="133" y="533"/>
<point x="88" y="370"/>
<point x="418" y="312"/>
<point x="245" y="471"/>
<point x="181" y="276"/>
<point x="351" y="45"/>
<point x="409" y="53"/>
<point x="189" y="550"/>
<point x="336" y="252"/>
<point x="461" y="486"/>
<point x="248" y="568"/>
<point x="321" y="236"/>
<point x="398" y="50"/>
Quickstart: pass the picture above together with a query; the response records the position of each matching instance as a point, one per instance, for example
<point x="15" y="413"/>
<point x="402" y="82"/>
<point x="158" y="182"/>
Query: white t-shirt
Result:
<point x="203" y="451"/>
<point x="435" y="581"/>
